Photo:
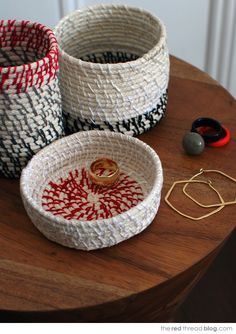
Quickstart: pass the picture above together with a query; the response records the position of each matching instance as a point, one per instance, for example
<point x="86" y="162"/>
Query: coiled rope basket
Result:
<point x="30" y="100"/>
<point x="114" y="69"/>
<point x="68" y="209"/>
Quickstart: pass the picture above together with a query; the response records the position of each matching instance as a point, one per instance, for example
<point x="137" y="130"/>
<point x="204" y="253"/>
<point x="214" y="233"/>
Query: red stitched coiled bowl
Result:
<point x="64" y="205"/>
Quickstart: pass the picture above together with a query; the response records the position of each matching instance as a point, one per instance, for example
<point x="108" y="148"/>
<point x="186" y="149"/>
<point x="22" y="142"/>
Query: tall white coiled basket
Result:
<point x="114" y="69"/>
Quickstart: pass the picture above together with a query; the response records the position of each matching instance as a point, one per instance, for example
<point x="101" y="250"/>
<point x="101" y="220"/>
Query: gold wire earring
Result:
<point x="209" y="205"/>
<point x="193" y="181"/>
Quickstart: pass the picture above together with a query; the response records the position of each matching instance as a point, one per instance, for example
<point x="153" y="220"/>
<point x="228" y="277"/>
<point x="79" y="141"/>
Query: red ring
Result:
<point x="223" y="141"/>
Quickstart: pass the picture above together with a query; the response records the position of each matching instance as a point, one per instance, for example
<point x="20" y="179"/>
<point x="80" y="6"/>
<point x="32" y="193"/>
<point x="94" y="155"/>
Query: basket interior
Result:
<point x="57" y="162"/>
<point x="22" y="43"/>
<point x="106" y="35"/>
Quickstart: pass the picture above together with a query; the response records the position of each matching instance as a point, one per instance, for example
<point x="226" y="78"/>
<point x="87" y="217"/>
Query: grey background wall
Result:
<point x="202" y="32"/>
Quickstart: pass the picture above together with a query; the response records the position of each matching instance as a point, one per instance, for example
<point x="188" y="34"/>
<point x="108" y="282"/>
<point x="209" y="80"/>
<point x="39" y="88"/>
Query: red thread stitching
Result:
<point x="37" y="37"/>
<point x="76" y="197"/>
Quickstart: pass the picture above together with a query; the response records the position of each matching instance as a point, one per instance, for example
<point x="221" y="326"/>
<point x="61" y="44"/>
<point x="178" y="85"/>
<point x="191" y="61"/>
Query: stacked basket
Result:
<point x="30" y="100"/>
<point x="114" y="69"/>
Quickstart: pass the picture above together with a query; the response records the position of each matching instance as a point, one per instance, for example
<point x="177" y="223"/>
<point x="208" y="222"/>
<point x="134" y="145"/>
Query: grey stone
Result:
<point x="193" y="143"/>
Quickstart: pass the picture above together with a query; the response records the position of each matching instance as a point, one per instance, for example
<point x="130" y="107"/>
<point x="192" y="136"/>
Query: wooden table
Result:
<point x="147" y="277"/>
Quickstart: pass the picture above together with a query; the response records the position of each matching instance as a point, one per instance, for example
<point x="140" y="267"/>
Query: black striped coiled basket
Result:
<point x="30" y="100"/>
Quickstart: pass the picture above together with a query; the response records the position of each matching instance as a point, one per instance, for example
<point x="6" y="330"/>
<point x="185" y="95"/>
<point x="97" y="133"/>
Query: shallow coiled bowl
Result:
<point x="53" y="164"/>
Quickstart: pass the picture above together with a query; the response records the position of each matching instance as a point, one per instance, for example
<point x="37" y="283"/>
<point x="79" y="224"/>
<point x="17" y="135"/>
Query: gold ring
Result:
<point x="104" y="172"/>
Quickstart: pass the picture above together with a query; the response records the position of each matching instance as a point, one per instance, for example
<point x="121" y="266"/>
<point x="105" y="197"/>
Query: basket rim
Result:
<point x="52" y="51"/>
<point x="156" y="187"/>
<point x="113" y="66"/>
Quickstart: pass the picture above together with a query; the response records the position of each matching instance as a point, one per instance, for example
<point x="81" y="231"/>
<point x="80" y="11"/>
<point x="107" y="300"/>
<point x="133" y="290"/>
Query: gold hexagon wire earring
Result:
<point x="188" y="216"/>
<point x="209" y="205"/>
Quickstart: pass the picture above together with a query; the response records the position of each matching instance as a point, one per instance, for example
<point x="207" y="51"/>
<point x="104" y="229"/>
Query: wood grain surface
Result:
<point x="148" y="276"/>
